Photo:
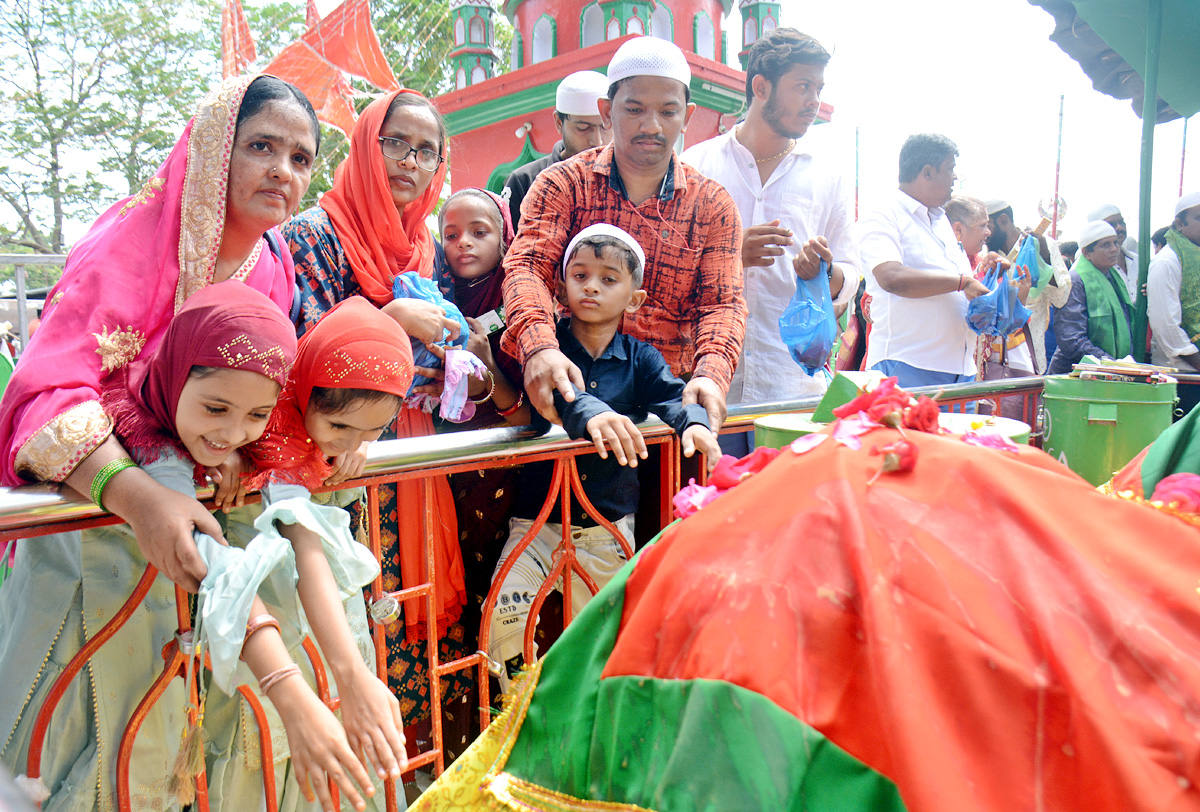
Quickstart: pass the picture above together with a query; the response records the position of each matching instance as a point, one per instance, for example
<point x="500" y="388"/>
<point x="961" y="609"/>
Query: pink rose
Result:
<point x="692" y="497"/>
<point x="1179" y="491"/>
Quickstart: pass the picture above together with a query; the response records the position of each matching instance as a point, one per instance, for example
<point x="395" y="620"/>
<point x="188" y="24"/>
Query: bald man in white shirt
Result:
<point x="919" y="279"/>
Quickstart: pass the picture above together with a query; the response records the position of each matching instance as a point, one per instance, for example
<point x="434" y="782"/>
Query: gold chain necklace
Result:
<point x="791" y="145"/>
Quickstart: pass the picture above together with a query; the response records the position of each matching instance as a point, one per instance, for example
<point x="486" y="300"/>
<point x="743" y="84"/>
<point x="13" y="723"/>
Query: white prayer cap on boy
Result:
<point x="577" y="94"/>
<point x="1094" y="232"/>
<point x="649" y="56"/>
<point x="1188" y="201"/>
<point x="1103" y="212"/>
<point x="995" y="206"/>
<point x="606" y="230"/>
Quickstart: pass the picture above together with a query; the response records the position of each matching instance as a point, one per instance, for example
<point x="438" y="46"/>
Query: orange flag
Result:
<point x="237" y="46"/>
<point x="347" y="39"/>
<point x="320" y="81"/>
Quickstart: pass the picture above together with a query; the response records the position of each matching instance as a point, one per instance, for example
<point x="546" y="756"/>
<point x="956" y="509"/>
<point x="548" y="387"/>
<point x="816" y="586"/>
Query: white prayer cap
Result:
<point x="1188" y="201"/>
<point x="649" y="56"/>
<point x="995" y="206"/>
<point x="1095" y="231"/>
<point x="606" y="230"/>
<point x="1103" y="212"/>
<point x="577" y="94"/>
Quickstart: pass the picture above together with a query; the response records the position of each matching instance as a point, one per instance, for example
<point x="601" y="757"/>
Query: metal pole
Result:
<point x="856" y="174"/>
<point x="1057" y="172"/>
<point x="1183" y="157"/>
<point x="22" y="316"/>
<point x="1149" y="116"/>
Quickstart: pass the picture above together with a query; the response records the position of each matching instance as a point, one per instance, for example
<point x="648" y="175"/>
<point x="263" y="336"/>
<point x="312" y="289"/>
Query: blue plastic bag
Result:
<point x="410" y="285"/>
<point x="1000" y="312"/>
<point x="1028" y="257"/>
<point x="808" y="327"/>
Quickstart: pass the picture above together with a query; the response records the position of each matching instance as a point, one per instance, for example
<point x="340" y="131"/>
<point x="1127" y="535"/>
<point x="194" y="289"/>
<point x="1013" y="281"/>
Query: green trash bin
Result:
<point x="1095" y="427"/>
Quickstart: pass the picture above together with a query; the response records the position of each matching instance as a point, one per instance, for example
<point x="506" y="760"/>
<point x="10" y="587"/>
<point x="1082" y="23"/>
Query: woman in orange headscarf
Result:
<point x="368" y="229"/>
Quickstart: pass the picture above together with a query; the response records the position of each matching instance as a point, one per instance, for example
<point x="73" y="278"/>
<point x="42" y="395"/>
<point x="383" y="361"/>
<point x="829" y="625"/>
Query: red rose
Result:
<point x="922" y="415"/>
<point x="898" y="457"/>
<point x="889" y="409"/>
<point x="866" y="399"/>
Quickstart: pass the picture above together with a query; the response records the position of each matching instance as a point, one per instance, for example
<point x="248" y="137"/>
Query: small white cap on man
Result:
<point x="649" y="56"/>
<point x="995" y="206"/>
<point x="1103" y="212"/>
<point x="1095" y="231"/>
<point x="1188" y="201"/>
<point x="578" y="93"/>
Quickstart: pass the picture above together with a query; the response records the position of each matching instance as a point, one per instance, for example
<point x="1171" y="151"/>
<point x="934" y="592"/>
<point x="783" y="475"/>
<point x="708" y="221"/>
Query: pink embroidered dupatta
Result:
<point x="123" y="283"/>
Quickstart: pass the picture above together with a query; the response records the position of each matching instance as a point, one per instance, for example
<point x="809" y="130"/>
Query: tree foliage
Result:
<point x="94" y="93"/>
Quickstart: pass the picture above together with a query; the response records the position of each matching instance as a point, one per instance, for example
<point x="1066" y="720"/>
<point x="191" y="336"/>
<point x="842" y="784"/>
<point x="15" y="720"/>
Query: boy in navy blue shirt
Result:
<point x="624" y="380"/>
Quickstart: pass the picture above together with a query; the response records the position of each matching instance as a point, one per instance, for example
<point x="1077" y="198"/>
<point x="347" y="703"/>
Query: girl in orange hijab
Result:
<point x="369" y="228"/>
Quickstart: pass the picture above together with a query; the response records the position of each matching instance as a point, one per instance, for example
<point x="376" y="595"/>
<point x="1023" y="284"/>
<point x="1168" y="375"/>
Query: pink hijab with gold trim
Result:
<point x="123" y="283"/>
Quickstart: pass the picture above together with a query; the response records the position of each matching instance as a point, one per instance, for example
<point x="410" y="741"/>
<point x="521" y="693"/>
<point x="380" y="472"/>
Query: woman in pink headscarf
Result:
<point x="208" y="214"/>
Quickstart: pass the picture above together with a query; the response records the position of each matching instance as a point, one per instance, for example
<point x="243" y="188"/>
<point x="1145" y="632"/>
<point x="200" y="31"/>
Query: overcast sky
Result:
<point x="986" y="75"/>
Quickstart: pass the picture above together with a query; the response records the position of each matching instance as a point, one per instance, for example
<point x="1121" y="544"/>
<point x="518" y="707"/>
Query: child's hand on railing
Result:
<point x="318" y="745"/>
<point x="229" y="489"/>
<point x="700" y="437"/>
<point x="621" y="434"/>
<point x="348" y="465"/>
<point x="374" y="727"/>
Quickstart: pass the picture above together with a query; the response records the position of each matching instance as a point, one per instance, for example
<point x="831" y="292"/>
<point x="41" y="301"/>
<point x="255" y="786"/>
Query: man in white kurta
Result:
<point x="1171" y="345"/>
<point x="918" y="278"/>
<point x="796" y="209"/>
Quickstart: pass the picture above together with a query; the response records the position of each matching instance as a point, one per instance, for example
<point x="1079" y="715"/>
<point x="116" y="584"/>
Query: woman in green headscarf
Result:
<point x="1095" y="319"/>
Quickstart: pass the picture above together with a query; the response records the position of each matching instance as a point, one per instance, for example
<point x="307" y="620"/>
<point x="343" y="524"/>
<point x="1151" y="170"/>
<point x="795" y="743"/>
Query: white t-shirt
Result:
<point x="807" y="198"/>
<point x="930" y="333"/>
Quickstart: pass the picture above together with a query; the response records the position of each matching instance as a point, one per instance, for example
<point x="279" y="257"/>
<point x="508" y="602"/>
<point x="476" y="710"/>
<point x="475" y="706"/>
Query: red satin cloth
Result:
<point x="988" y="631"/>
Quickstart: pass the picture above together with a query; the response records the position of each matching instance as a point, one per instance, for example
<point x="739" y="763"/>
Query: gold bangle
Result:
<point x="491" y="390"/>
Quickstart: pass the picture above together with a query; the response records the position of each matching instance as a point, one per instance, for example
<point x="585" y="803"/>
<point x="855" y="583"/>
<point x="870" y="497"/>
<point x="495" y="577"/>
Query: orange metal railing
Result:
<point x="30" y="512"/>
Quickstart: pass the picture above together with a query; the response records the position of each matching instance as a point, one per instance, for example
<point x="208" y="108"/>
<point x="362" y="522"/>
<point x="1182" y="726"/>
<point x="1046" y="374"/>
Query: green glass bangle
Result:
<point x="100" y="481"/>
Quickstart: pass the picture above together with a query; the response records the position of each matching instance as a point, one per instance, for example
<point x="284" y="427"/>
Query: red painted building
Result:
<point x="499" y="122"/>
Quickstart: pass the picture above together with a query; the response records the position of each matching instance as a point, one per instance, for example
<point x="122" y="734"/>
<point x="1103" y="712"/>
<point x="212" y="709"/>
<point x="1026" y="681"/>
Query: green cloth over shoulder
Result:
<point x="1108" y="309"/>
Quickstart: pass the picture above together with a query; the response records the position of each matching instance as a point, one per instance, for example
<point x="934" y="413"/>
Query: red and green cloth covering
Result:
<point x="986" y="632"/>
<point x="1176" y="451"/>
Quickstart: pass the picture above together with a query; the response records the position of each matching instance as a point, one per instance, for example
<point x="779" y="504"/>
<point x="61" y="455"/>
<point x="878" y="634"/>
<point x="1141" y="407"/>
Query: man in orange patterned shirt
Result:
<point x="687" y="224"/>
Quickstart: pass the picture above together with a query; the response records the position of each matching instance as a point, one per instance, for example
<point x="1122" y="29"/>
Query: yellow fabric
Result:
<point x="477" y="781"/>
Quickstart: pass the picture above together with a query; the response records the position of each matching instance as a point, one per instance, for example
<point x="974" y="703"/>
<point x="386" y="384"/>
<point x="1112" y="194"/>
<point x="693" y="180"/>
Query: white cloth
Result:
<point x="1165" y="312"/>
<point x="1130" y="274"/>
<point x="929" y="333"/>
<point x="597" y="552"/>
<point x="812" y="201"/>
